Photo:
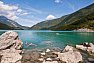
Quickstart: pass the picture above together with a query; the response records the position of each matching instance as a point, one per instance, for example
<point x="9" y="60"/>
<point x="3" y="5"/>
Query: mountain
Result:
<point x="6" y="23"/>
<point x="83" y="18"/>
<point x="4" y="27"/>
<point x="48" y="23"/>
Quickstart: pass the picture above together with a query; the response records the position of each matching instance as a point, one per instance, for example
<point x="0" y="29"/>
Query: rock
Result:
<point x="89" y="49"/>
<point x="70" y="57"/>
<point x="3" y="52"/>
<point x="48" y="59"/>
<point x="81" y="47"/>
<point x="50" y="62"/>
<point x="35" y="56"/>
<point x="9" y="39"/>
<point x="40" y="59"/>
<point x="26" y="57"/>
<point x="10" y="47"/>
<point x="48" y="50"/>
<point x="31" y="56"/>
<point x="86" y="44"/>
<point x="27" y="62"/>
<point x="90" y="59"/>
<point x="68" y="48"/>
<point x="43" y="53"/>
<point x="10" y="58"/>
<point x="18" y="44"/>
<point x="18" y="62"/>
<point x="0" y="57"/>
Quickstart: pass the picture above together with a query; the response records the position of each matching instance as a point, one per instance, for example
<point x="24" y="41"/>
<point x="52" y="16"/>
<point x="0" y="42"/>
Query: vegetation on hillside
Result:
<point x="83" y="18"/>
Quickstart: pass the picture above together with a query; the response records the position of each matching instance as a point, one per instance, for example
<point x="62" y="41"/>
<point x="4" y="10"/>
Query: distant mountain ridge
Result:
<point x="48" y="23"/>
<point x="83" y="18"/>
<point x="6" y="23"/>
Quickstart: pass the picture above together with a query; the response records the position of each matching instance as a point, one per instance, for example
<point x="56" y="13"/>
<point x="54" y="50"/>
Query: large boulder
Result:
<point x="70" y="55"/>
<point x="10" y="47"/>
<point x="9" y="39"/>
<point x="11" y="58"/>
<point x="17" y="44"/>
<point x="3" y="52"/>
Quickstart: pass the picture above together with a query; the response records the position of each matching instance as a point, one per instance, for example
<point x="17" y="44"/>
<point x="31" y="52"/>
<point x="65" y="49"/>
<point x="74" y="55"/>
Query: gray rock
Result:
<point x="26" y="57"/>
<point x="89" y="49"/>
<point x="10" y="47"/>
<point x="2" y="52"/>
<point x="68" y="48"/>
<point x="35" y="55"/>
<point x="10" y="58"/>
<point x="70" y="55"/>
<point x="50" y="62"/>
<point x="90" y="59"/>
<point x="8" y="39"/>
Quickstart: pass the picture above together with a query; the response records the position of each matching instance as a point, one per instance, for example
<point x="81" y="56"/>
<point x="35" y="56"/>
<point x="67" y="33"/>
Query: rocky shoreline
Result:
<point x="11" y="52"/>
<point x="84" y="30"/>
<point x="68" y="55"/>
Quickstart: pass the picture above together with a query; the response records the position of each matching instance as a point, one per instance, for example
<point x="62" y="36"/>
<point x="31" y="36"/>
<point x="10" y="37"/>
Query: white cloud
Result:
<point x="27" y="21"/>
<point x="25" y="13"/>
<point x="49" y="17"/>
<point x="7" y="7"/>
<point x="33" y="10"/>
<point x="19" y="10"/>
<point x="9" y="11"/>
<point x="58" y="1"/>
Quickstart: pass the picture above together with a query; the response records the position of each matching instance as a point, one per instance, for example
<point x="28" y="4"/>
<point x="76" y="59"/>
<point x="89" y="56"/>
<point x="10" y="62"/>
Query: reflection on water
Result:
<point x="86" y="34"/>
<point x="49" y="39"/>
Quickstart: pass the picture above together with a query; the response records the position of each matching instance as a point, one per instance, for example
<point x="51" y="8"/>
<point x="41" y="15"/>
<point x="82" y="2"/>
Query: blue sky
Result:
<point x="30" y="12"/>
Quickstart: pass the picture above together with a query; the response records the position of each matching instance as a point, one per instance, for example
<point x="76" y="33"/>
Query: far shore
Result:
<point x="84" y="30"/>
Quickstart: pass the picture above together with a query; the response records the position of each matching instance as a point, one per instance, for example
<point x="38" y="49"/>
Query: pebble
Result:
<point x="48" y="50"/>
<point x="49" y="59"/>
<point x="43" y="54"/>
<point x="40" y="59"/>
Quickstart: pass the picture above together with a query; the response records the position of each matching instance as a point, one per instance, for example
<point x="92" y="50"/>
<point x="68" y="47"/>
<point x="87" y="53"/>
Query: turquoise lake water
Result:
<point x="48" y="39"/>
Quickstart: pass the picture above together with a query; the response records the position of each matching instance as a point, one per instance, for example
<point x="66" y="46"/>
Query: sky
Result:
<point x="30" y="12"/>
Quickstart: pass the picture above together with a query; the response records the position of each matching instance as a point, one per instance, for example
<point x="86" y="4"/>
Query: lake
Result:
<point x="50" y="39"/>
